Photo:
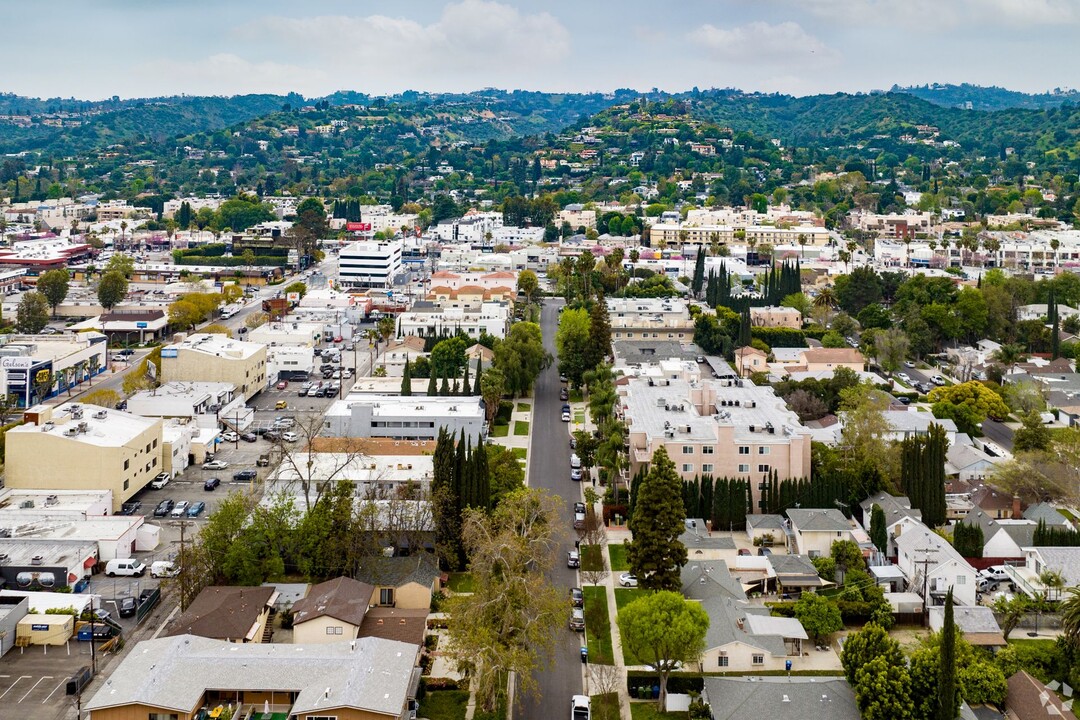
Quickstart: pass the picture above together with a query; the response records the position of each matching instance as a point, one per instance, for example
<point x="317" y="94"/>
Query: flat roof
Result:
<point x="217" y="345"/>
<point x="384" y="406"/>
<point x="54" y="501"/>
<point x="112" y="428"/>
<point x="66" y="553"/>
<point x="359" y="469"/>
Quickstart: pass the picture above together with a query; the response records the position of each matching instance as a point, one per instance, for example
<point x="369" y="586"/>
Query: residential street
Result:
<point x="549" y="468"/>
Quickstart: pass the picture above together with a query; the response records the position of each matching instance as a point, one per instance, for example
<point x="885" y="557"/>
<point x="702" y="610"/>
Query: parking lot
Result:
<point x="33" y="680"/>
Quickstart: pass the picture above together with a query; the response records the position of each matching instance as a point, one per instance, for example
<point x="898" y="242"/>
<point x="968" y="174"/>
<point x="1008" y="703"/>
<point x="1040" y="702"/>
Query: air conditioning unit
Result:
<point x="669" y="434"/>
<point x="753" y="428"/>
<point x="686" y="428"/>
<point x="100" y="415"/>
<point x="37" y="560"/>
<point x="26" y="504"/>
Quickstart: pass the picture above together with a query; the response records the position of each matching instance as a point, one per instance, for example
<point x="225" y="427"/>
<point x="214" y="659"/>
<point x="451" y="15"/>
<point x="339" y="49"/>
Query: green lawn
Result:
<point x="651" y="711"/>
<point x="461" y="582"/>
<point x="598" y="626"/>
<point x="1033" y="643"/>
<point x="444" y="705"/>
<point x="579" y="416"/>
<point x="605" y="707"/>
<point x="524" y="407"/>
<point x="521" y="427"/>
<point x="591" y="559"/>
<point x="617" y="554"/>
<point x="520" y="453"/>
<point x="623" y="597"/>
<point x="575" y="396"/>
<point x="500" y="430"/>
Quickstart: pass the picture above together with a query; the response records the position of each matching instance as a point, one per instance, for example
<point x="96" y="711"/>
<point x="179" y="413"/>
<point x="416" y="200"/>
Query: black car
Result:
<point x="245" y="476"/>
<point x="211" y="483"/>
<point x="564" y="394"/>
<point x="249" y="437"/>
<point x="127" y="607"/>
<point x="577" y="598"/>
<point x="130" y="508"/>
<point x="163" y="509"/>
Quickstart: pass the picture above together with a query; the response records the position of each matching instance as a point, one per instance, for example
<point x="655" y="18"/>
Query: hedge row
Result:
<point x="779" y="337"/>
<point x="261" y="260"/>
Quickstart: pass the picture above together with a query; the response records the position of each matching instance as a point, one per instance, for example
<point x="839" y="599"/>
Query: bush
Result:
<point x="444" y="684"/>
<point x="610" y="511"/>
<point x="779" y="337"/>
<point x="677" y="682"/>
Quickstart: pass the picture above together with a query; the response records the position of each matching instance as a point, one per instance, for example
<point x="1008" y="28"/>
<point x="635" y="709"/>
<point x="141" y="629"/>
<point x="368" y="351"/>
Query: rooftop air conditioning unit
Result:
<point x="669" y="433"/>
<point x="100" y="415"/>
<point x="753" y="428"/>
<point x="750" y="404"/>
<point x="51" y="500"/>
<point x="71" y="431"/>
<point x="26" y="504"/>
<point x="686" y="428"/>
<point x="37" y="560"/>
<point x="736" y="402"/>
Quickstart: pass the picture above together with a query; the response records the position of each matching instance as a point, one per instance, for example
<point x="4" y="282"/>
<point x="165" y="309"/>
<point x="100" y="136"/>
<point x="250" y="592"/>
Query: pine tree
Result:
<point x="947" y="700"/>
<point x="656" y="555"/>
<point x="476" y="383"/>
<point x="406" y="379"/>
<point x="432" y="389"/>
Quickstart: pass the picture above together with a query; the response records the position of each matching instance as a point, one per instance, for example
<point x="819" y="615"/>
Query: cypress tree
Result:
<point x="444" y="389"/>
<point x="483" y="476"/>
<point x="466" y="386"/>
<point x="699" y="273"/>
<point x="460" y="471"/>
<point x="947" y="700"/>
<point x="744" y="328"/>
<point x="406" y="379"/>
<point x="456" y="389"/>
<point x="878" y="534"/>
<point x="432" y="389"/>
<point x="1055" y="341"/>
<point x="476" y="384"/>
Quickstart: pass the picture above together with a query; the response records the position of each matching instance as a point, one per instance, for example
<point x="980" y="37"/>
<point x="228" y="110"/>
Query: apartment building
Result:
<point x="426" y="319"/>
<point x="370" y="264"/>
<point x="650" y="318"/>
<point x="898" y="226"/>
<point x="204" y="357"/>
<point x="671" y="233"/>
<point x="719" y="427"/>
<point x="84" y="447"/>
<point x="403" y="418"/>
<point x="776" y="317"/>
<point x="483" y="280"/>
<point x="472" y="228"/>
<point x="577" y="217"/>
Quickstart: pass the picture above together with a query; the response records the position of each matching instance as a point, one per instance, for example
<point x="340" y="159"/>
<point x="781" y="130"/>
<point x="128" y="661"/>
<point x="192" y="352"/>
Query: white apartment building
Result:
<point x="671" y="233"/>
<point x="650" y="318"/>
<point x="893" y="225"/>
<point x="426" y="320"/>
<point x="577" y="217"/>
<point x="472" y="228"/>
<point x="370" y="264"/>
<point x="171" y="207"/>
<point x="403" y="418"/>
<point x="202" y="402"/>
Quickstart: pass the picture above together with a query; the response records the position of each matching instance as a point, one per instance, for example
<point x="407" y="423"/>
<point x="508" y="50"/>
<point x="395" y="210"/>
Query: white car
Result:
<point x="163" y="568"/>
<point x="904" y="377"/>
<point x="215" y="465"/>
<point x="579" y="707"/>
<point x="994" y="572"/>
<point x="628" y="580"/>
<point x="179" y="509"/>
<point x="229" y="436"/>
<point x="937" y="380"/>
<point x="290" y="437"/>
<point x="160" y="480"/>
<point x="566" y="416"/>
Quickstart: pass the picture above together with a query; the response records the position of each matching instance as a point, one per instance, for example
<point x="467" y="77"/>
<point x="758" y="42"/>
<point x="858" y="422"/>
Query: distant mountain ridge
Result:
<point x="979" y="97"/>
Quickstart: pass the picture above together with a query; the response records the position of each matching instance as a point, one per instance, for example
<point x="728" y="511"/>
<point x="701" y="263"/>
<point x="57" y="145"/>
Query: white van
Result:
<point x="127" y="566"/>
<point x="575" y="461"/>
<point x="163" y="568"/>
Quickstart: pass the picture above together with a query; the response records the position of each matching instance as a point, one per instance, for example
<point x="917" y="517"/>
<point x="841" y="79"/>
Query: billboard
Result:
<point x="16" y="363"/>
<point x="169" y="352"/>
<point x="358" y="227"/>
<point x="293" y="297"/>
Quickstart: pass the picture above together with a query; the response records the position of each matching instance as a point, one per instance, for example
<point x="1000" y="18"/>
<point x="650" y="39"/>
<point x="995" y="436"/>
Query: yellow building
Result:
<point x="84" y="447"/>
<point x="216" y="358"/>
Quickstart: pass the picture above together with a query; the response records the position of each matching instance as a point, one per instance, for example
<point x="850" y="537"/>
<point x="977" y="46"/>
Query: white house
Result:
<point x="932" y="566"/>
<point x="814" y="531"/>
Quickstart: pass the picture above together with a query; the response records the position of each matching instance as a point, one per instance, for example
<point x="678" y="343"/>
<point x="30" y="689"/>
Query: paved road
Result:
<point x="549" y="468"/>
<point x="998" y="433"/>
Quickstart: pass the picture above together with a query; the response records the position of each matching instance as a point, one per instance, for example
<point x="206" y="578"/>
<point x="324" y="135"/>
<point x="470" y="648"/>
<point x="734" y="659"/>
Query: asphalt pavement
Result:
<point x="549" y="468"/>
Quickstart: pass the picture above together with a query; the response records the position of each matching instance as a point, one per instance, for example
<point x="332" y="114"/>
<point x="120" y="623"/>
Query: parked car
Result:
<point x="284" y="423"/>
<point x="566" y="416"/>
<point x="577" y="598"/>
<point x="564" y="394"/>
<point x="282" y="384"/>
<point x="130" y="508"/>
<point x="126" y="567"/>
<point x="577" y="619"/>
<point x="628" y="580"/>
<point x="211" y="483"/>
<point x="744" y="551"/>
<point x="272" y="435"/>
<point x="281" y="405"/>
<point x="163" y="508"/>
<point x="215" y="465"/>
<point x="163" y="568"/>
<point x="994" y="572"/>
<point x="160" y="480"/>
<point x="127" y="607"/>
<point x="179" y="509"/>
<point x="573" y="559"/>
<point x="245" y="475"/>
<point x="575" y="474"/>
<point x="249" y="437"/>
<point x="229" y="436"/>
<point x="196" y="508"/>
<point x="937" y="380"/>
<point x="904" y="377"/>
<point x="579" y="704"/>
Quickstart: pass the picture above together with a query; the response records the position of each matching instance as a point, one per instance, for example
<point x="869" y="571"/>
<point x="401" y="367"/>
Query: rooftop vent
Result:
<point x="37" y="560"/>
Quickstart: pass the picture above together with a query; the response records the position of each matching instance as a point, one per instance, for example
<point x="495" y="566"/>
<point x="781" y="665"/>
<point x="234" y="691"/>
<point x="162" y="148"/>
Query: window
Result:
<point x="127" y="463"/>
<point x="333" y="630"/>
<point x="723" y="661"/>
<point x="687" y="449"/>
<point x="763" y="451"/>
<point x="126" y="484"/>
<point x="707" y="449"/>
<point x="961" y="580"/>
<point x="744" y="468"/>
<point x="744" y="449"/>
<point x="155" y="442"/>
<point x="148" y="448"/>
<point x="162" y="716"/>
<point x="763" y="468"/>
<point x="318" y="717"/>
<point x="688" y="467"/>
<point x="706" y="468"/>
<point x="758" y="659"/>
<point x="386" y="596"/>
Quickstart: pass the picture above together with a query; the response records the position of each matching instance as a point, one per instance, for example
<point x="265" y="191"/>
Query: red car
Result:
<point x="282" y="385"/>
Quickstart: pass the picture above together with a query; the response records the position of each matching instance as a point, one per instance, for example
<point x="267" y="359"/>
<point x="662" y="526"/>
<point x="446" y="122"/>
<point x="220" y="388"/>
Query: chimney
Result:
<point x="1016" y="512"/>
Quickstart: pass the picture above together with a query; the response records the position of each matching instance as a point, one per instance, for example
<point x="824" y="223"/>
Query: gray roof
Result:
<point x="818" y="520"/>
<point x="907" y="421"/>
<point x="894" y="507"/>
<point x="1065" y="560"/>
<point x="765" y="522"/>
<point x="706" y="579"/>
<point x="969" y="619"/>
<point x="1022" y="533"/>
<point x="1045" y="512"/>
<point x="779" y="626"/>
<point x="697" y="537"/>
<point x="781" y="698"/>
<point x="792" y="565"/>
<point x="173" y="673"/>
<point x="724" y="615"/>
<point x="650" y="351"/>
<point x="399" y="571"/>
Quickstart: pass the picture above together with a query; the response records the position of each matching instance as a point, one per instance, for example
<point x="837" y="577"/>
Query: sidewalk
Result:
<point x="616" y="638"/>
<point x="520" y="444"/>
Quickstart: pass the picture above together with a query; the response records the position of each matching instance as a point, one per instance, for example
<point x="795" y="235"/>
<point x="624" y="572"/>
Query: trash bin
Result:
<point x="584" y="655"/>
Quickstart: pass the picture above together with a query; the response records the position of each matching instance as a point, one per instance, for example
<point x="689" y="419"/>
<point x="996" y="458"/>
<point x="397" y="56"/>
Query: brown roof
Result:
<point x="444" y="274"/>
<point x="833" y="355"/>
<point x="342" y="598"/>
<point x="1029" y="699"/>
<point x="395" y="624"/>
<point x="748" y="350"/>
<point x="224" y="612"/>
<point x="410" y="342"/>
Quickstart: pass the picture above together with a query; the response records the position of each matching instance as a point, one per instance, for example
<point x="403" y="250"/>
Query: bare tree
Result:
<point x="312" y="465"/>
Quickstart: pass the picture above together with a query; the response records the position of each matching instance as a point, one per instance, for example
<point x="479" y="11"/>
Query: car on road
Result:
<point x="160" y="480"/>
<point x="579" y="507"/>
<point x="579" y="518"/>
<point x="245" y="475"/>
<point x="573" y="559"/>
<point x="281" y="405"/>
<point x="196" y="508"/>
<point x="179" y="509"/>
<point x="575" y="474"/>
<point x="937" y="380"/>
<point x="577" y="598"/>
<point x="215" y="465"/>
<point x="211" y="483"/>
<point x="628" y="580"/>
<point x="564" y="394"/>
<point x="904" y="377"/>
<point x="127" y="607"/>
<point x="573" y="442"/>
<point x="249" y="437"/>
<point x="230" y="436"/>
<point x="909" y="364"/>
<point x="282" y="384"/>
<point x="163" y="508"/>
<point x="577" y="619"/>
<point x="566" y="416"/>
<point x="562" y="378"/>
<point x="579" y="707"/>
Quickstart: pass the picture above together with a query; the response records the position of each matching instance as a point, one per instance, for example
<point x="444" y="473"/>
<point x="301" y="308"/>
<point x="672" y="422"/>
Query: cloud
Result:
<point x="223" y="74"/>
<point x="761" y="43"/>
<point x="470" y="40"/>
<point x="936" y="14"/>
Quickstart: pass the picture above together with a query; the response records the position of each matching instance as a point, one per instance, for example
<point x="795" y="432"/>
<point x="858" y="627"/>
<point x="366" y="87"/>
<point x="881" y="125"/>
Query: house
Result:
<point x="898" y="513"/>
<point x="814" y="531"/>
<point x="909" y="423"/>
<point x="771" y="529"/>
<point x="776" y="317"/>
<point x="396" y="624"/>
<point x="1003" y="538"/>
<point x="996" y="503"/>
<point x="796" y="574"/>
<point x="701" y="580"/>
<point x="969" y="463"/>
<point x="701" y="544"/>
<point x="187" y="677"/>
<point x="977" y="623"/>
<point x="1065" y="561"/>
<point x="233" y="614"/>
<point x="1029" y="699"/>
<point x="932" y="566"/>
<point x="402" y="582"/>
<point x="744" y="637"/>
<point x="332" y="610"/>
<point x="815" y="360"/>
<point x="1048" y="514"/>
<point x="781" y="698"/>
<point x="749" y="360"/>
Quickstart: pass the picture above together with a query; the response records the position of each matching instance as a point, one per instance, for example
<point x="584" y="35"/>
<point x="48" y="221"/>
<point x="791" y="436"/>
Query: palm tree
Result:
<point x="1053" y="581"/>
<point x="802" y="244"/>
<point x="123" y="231"/>
<point x="1009" y="355"/>
<point x="1054" y="245"/>
<point x="826" y="300"/>
<point x="1070" y="616"/>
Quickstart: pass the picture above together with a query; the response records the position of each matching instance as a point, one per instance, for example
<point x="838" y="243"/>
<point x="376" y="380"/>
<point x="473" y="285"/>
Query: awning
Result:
<point x="89" y="562"/>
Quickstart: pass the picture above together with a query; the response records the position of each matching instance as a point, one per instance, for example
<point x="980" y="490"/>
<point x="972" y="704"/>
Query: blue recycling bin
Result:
<point x="584" y="654"/>
<point x="787" y="665"/>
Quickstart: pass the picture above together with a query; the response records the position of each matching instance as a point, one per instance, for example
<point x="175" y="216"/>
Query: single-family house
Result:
<point x="396" y="624"/>
<point x="977" y="623"/>
<point x="235" y="614"/>
<point x="895" y="507"/>
<point x="965" y="461"/>
<point x="813" y="531"/>
<point x="402" y="582"/>
<point x="796" y="574"/>
<point x="1029" y="699"/>
<point x="1048" y="514"/>
<point x="1003" y="538"/>
<point x="932" y="566"/>
<point x="823" y="359"/>
<point x="1028" y="578"/>
<point x="744" y="637"/>
<point x="701" y="544"/>
<point x="781" y="698"/>
<point x="749" y="360"/>
<point x="332" y="611"/>
<point x="766" y="529"/>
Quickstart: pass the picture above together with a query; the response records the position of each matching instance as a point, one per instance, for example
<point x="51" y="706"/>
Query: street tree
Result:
<point x="521" y="357"/>
<point x="53" y="284"/>
<point x="256" y="319"/>
<point x="818" y="615"/>
<point x="112" y="288"/>
<point x="863" y="646"/>
<point x="184" y="314"/>
<point x="509" y="622"/>
<point x="655" y="552"/>
<point x="492" y="387"/>
<point x="32" y="314"/>
<point x="572" y="343"/>
<point x="298" y="287"/>
<point x="891" y="348"/>
<point x="528" y="285"/>
<point x="663" y="629"/>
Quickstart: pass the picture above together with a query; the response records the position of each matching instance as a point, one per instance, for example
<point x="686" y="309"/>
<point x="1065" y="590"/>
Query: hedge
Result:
<point x="261" y="260"/>
<point x="677" y="682"/>
<point x="3" y="438"/>
<point x="779" y="337"/>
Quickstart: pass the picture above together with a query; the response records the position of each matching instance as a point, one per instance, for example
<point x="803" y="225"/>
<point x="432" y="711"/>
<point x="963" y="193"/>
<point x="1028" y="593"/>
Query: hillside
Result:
<point x="977" y="97"/>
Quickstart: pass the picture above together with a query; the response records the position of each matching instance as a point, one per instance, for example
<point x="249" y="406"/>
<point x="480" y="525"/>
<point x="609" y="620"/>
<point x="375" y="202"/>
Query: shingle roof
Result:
<point x="342" y="598"/>
<point x="818" y="520"/>
<point x="1029" y="699"/>
<point x="706" y="579"/>
<point x="696" y="536"/>
<point x="223" y="612"/>
<point x="792" y="565"/>
<point x="1045" y="512"/>
<point x="781" y="698"/>
<point x="765" y="522"/>
<point x="399" y="571"/>
<point x="396" y="624"/>
<point x="724" y="616"/>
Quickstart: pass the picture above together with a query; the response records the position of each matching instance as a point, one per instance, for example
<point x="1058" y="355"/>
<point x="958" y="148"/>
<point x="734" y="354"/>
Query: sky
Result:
<point x="93" y="49"/>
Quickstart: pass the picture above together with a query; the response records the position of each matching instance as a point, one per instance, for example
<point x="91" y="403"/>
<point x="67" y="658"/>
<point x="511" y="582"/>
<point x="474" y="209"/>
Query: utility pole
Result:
<point x="926" y="578"/>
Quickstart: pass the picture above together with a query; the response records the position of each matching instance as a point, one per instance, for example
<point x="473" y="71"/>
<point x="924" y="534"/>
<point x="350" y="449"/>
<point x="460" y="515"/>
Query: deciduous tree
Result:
<point x="819" y="616"/>
<point x="53" y="284"/>
<point x="112" y="288"/>
<point x="32" y="314"/>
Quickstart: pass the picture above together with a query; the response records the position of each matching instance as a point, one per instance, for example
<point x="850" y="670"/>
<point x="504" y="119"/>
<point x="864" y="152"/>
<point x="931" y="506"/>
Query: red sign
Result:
<point x="358" y="227"/>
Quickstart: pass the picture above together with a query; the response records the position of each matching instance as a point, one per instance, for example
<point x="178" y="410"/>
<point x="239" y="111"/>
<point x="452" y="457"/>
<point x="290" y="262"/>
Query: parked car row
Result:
<point x="168" y="508"/>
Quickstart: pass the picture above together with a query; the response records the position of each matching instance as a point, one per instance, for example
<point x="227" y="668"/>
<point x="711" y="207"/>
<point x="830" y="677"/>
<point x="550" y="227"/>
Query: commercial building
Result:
<point x="84" y="447"/>
<point x="425" y="319"/>
<point x="177" y="677"/>
<point x="46" y="564"/>
<point x="205" y="357"/>
<point x="206" y="403"/>
<point x="650" y="318"/>
<point x="128" y="325"/>
<point x="36" y="367"/>
<point x="371" y="474"/>
<point x="776" y="317"/>
<point x="370" y="264"/>
<point x="305" y="334"/>
<point x="665" y="233"/>
<point x="403" y="418"/>
<point x="719" y="427"/>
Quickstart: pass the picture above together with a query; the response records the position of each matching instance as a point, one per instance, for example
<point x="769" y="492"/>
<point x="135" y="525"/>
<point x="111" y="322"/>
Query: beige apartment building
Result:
<point x="661" y="234"/>
<point x="772" y="317"/>
<point x="216" y="358"/>
<point x="649" y="319"/>
<point x="724" y="428"/>
<point x="84" y="447"/>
